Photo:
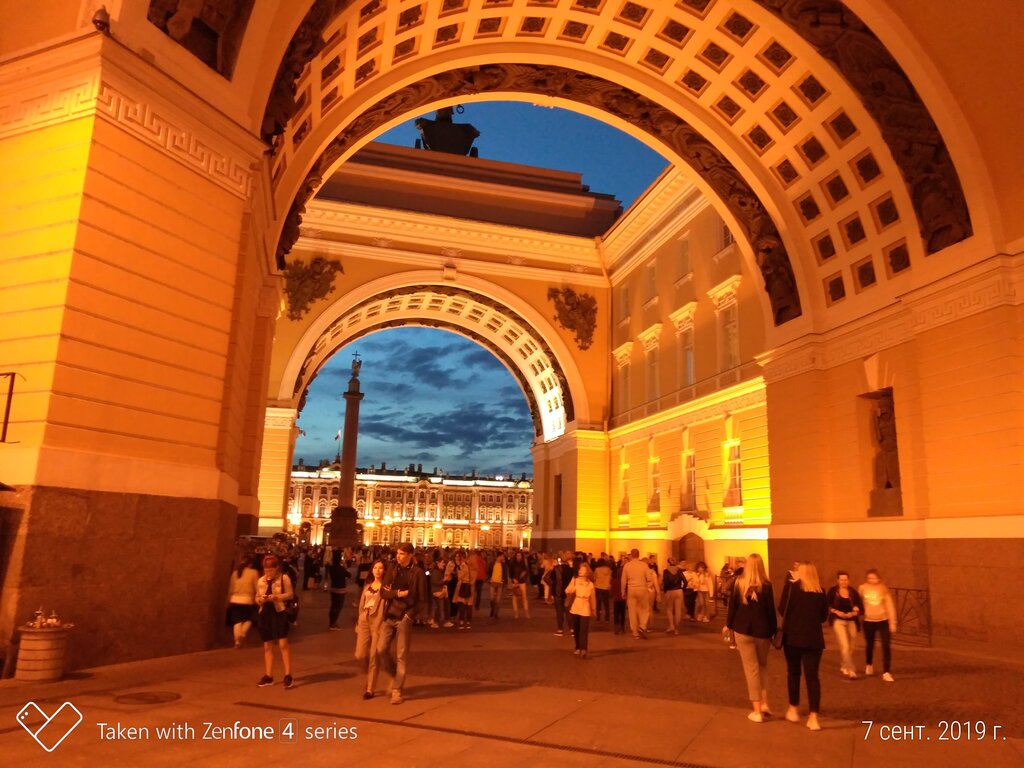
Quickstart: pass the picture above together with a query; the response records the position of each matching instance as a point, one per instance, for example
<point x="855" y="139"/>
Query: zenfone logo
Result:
<point x="49" y="730"/>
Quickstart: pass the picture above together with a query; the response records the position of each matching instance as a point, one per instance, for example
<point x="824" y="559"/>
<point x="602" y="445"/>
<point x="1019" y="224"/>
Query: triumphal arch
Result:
<point x="802" y="339"/>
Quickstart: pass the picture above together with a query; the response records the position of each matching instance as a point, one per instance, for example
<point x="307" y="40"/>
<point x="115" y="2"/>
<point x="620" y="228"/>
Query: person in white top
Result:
<point x="242" y="597"/>
<point x="879" y="618"/>
<point x="583" y="606"/>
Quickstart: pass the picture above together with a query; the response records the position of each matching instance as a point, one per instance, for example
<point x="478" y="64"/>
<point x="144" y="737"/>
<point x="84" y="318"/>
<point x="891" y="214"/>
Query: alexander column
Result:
<point x="343" y="521"/>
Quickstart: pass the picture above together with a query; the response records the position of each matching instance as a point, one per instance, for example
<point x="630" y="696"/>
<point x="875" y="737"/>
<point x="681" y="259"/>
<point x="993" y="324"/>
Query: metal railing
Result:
<point x="913" y="615"/>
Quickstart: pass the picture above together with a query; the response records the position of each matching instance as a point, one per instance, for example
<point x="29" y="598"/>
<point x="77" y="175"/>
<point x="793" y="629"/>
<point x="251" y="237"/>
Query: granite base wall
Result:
<point x="969" y="581"/>
<point x="140" y="576"/>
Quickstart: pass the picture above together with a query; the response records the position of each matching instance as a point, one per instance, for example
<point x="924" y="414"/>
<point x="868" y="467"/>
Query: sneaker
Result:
<point x="755" y="717"/>
<point x="869" y="670"/>
<point x="793" y="715"/>
<point x="367" y="694"/>
<point x="559" y="633"/>
<point x="851" y="675"/>
<point x="433" y="625"/>
<point x="396" y="697"/>
<point x="287" y="681"/>
<point x="335" y="629"/>
<point x="448" y="625"/>
<point x="576" y="652"/>
<point x="265" y="681"/>
<point x="887" y="677"/>
<point x="812" y="722"/>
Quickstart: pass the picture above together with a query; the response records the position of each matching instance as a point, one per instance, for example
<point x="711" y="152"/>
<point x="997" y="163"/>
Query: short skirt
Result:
<point x="272" y="624"/>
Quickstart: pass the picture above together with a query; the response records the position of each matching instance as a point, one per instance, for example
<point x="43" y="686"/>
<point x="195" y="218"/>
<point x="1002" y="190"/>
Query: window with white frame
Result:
<point x="623" y="389"/>
<point x="623" y="483"/>
<point x="683" y="266"/>
<point x="733" y="475"/>
<point x="687" y="361"/>
<point x="689" y="499"/>
<point x="653" y="373"/>
<point x="653" y="479"/>
<point x="729" y="334"/>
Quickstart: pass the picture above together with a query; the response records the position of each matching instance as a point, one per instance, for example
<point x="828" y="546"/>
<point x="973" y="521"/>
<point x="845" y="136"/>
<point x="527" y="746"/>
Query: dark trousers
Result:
<point x="604" y="598"/>
<point x="809" y="659"/>
<point x="337" y="600"/>
<point x="882" y="628"/>
<point x="581" y="626"/>
<point x="479" y="591"/>
<point x="690" y="602"/>
<point x="620" y="615"/>
<point x="560" y="612"/>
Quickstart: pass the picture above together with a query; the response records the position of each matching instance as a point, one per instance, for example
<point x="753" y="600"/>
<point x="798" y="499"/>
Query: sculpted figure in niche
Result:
<point x="887" y="465"/>
<point x="210" y="29"/>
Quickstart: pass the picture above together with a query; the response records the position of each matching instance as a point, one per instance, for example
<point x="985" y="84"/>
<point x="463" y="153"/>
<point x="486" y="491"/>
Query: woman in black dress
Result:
<point x="274" y="591"/>
<point x="804" y="609"/>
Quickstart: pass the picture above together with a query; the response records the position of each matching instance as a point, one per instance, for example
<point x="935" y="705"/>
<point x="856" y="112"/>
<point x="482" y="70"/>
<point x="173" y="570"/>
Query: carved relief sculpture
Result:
<point x="886" y="496"/>
<point x="576" y="312"/>
<point x="211" y="30"/>
<point x="308" y="283"/>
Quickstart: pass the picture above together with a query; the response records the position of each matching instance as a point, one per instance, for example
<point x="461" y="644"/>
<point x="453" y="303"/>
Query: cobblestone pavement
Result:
<point x="510" y="693"/>
<point x="697" y="666"/>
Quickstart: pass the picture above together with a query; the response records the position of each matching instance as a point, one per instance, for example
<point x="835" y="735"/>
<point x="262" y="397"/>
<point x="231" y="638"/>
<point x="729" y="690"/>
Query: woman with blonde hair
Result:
<point x="752" y="621"/>
<point x="804" y="610"/>
<point x="583" y="605"/>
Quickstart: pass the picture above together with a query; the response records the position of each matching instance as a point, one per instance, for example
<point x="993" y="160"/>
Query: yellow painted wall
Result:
<point x="42" y="175"/>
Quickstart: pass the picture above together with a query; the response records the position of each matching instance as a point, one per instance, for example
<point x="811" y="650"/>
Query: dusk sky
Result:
<point x="434" y="397"/>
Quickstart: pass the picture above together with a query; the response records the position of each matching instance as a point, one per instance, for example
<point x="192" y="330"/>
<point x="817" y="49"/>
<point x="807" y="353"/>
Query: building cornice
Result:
<point x="747" y="394"/>
<point x="649" y="337"/>
<point x="682" y="318"/>
<point x="724" y="295"/>
<point x="622" y="354"/>
<point x="998" y="281"/>
<point x="351" y="220"/>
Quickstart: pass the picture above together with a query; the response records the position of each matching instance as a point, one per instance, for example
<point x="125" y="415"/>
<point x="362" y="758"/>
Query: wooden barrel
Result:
<point x="41" y="653"/>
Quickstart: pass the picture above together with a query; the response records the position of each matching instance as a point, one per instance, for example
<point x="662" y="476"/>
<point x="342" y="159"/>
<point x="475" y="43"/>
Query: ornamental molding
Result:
<point x="280" y="418"/>
<point x="348" y="219"/>
<point x="93" y="77"/>
<point x="176" y="139"/>
<point x="47" y="103"/>
<point x="622" y="354"/>
<point x="997" y="282"/>
<point x="649" y="337"/>
<point x="724" y="294"/>
<point x="682" y="318"/>
<point x="718" y="405"/>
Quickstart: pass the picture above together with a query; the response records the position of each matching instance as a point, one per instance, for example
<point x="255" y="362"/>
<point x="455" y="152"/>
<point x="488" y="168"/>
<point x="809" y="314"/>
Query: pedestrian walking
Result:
<point x="845" y="608"/>
<point x="752" y="621"/>
<point x="804" y="609"/>
<point x="403" y="591"/>
<point x="880" y="620"/>
<point x="368" y="623"/>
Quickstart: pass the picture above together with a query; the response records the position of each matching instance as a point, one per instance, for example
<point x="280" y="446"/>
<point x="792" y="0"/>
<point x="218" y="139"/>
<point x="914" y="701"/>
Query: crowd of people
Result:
<point x="400" y="588"/>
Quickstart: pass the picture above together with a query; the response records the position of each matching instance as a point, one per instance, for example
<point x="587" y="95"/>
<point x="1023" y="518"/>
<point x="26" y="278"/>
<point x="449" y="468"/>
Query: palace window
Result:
<point x="733" y="475"/>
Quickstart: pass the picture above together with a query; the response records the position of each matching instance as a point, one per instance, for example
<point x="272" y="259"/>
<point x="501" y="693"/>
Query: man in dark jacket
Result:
<point x="558" y="579"/>
<point x="404" y="591"/>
